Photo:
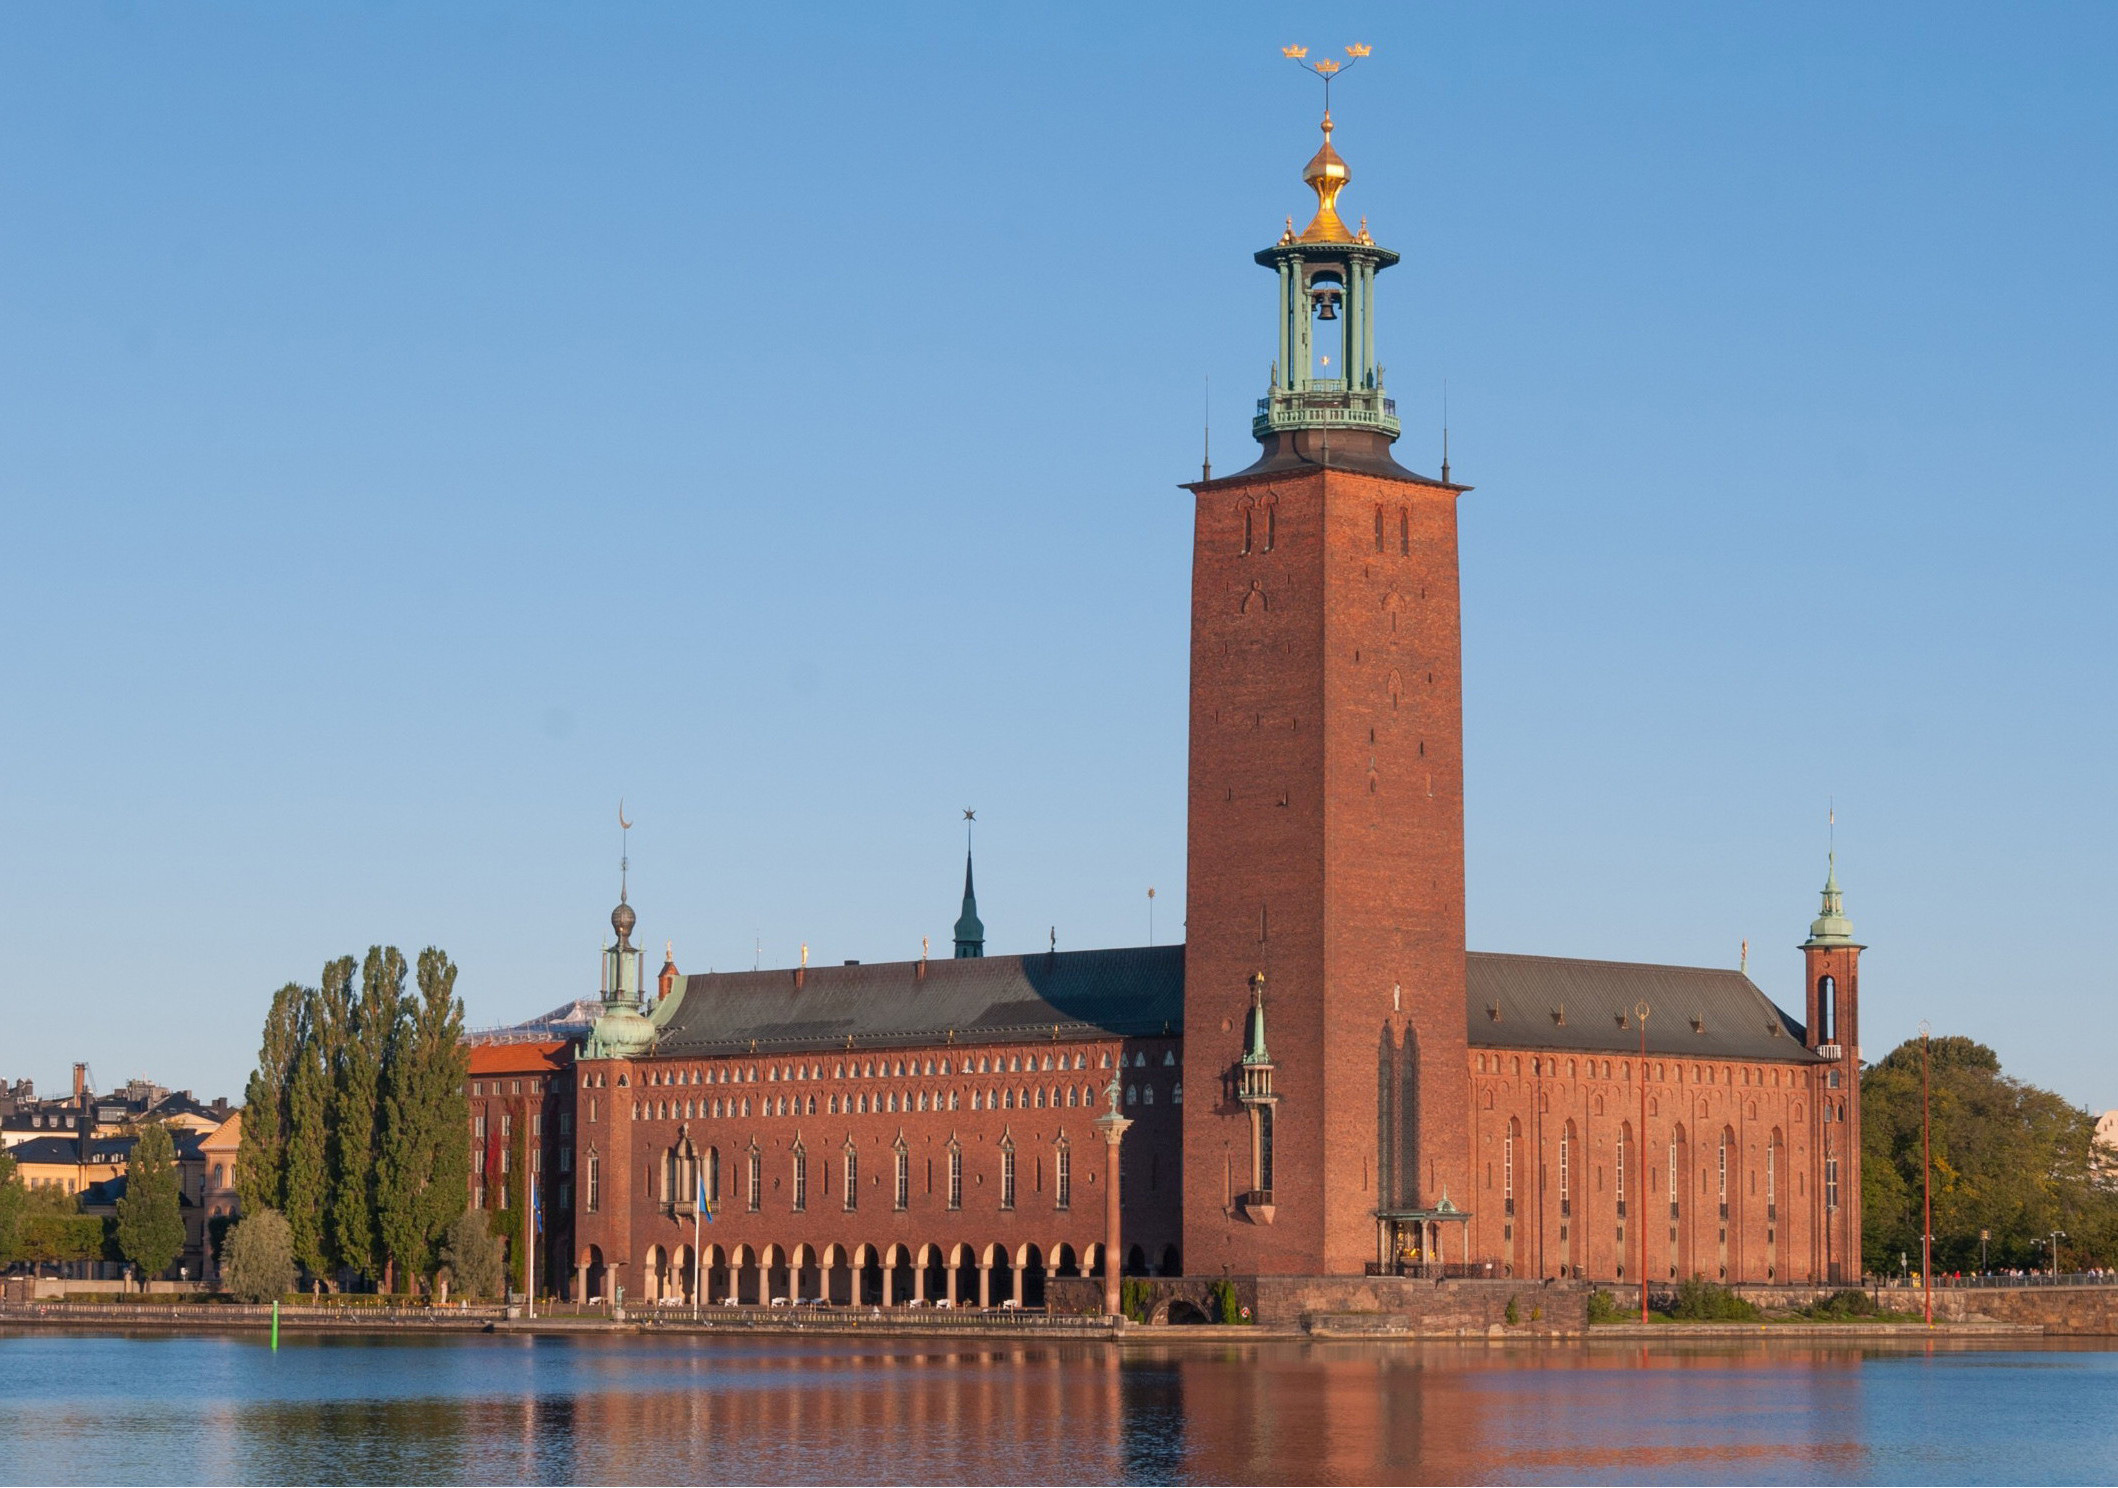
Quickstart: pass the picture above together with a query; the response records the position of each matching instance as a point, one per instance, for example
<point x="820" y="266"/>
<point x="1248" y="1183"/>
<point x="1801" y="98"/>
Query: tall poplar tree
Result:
<point x="424" y="1169"/>
<point x="356" y="1109"/>
<point x="309" y="1091"/>
<point x="261" y="1161"/>
<point x="150" y="1216"/>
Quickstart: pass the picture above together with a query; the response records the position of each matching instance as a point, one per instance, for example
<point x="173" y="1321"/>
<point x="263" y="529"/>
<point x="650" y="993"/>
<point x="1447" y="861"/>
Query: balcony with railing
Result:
<point x="1326" y="403"/>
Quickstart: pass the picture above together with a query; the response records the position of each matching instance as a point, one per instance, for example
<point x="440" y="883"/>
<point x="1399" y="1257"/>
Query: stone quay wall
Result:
<point x="1355" y="1305"/>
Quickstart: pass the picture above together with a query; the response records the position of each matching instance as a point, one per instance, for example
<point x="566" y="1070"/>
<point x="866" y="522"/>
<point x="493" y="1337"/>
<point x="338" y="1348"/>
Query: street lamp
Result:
<point x="2057" y="1236"/>
<point x="1639" y="1216"/>
<point x="1926" y="1178"/>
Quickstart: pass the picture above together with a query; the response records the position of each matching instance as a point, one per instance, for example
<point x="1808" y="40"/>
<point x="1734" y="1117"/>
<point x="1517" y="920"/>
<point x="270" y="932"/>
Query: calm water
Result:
<point x="77" y="1408"/>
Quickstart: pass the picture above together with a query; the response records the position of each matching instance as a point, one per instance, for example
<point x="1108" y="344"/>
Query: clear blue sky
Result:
<point x="420" y="425"/>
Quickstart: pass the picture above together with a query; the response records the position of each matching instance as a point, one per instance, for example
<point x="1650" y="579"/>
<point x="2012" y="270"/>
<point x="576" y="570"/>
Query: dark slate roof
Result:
<point x="106" y="1194"/>
<point x="1696" y="1011"/>
<point x="71" y="1149"/>
<point x="1137" y="992"/>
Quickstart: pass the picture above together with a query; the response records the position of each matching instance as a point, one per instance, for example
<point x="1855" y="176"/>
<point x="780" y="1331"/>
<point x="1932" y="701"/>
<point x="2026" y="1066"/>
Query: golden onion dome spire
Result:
<point x="1327" y="175"/>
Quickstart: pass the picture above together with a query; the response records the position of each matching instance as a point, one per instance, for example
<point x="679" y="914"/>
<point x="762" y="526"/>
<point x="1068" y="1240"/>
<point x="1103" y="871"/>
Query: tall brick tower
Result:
<point x="1326" y="807"/>
<point x="1831" y="963"/>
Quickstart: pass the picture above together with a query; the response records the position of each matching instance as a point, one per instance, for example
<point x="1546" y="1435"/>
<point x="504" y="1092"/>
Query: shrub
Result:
<point x="259" y="1257"/>
<point x="1513" y="1315"/>
<point x="474" y="1255"/>
<point x="1701" y="1301"/>
<point x="1841" y="1307"/>
<point x="1223" y="1303"/>
<point x="1136" y="1299"/>
<point x="1604" y="1308"/>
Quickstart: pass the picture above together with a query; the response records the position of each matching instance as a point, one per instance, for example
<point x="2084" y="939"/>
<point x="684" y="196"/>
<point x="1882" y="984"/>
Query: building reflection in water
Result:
<point x="669" y="1409"/>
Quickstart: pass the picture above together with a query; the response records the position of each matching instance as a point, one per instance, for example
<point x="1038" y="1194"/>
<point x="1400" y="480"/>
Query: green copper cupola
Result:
<point x="621" y="1030"/>
<point x="1326" y="375"/>
<point x="1831" y="927"/>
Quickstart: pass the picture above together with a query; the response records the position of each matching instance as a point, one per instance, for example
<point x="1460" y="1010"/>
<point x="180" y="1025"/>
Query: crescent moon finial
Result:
<point x="622" y="822"/>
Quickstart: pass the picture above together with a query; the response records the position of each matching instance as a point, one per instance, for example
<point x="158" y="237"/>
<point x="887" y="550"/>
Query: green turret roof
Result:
<point x="1831" y="927"/>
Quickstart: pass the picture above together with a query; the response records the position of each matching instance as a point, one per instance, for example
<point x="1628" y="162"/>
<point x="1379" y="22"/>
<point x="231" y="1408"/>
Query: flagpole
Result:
<point x="529" y="1281"/>
<point x="698" y="1265"/>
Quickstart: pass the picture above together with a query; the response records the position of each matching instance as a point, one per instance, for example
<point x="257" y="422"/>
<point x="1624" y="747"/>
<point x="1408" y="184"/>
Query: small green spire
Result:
<point x="970" y="930"/>
<point x="1254" y="1051"/>
<point x="1831" y="927"/>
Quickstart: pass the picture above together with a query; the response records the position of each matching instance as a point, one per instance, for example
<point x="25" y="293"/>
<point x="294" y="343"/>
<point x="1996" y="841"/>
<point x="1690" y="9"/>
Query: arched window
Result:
<point x="904" y="1178"/>
<point x="1827" y="1010"/>
<point x="1507" y="1167"/>
<point x="757" y="1180"/>
<point x="955" y="1176"/>
<point x="1378" y="526"/>
<point x="1249" y="524"/>
<point x="593" y="1183"/>
<point x="1566" y="1155"/>
<point x="1625" y="1138"/>
<point x="1007" y="1175"/>
<point x="801" y="1179"/>
<point x="1063" y="1183"/>
<point x="1721" y="1178"/>
<point x="852" y="1194"/>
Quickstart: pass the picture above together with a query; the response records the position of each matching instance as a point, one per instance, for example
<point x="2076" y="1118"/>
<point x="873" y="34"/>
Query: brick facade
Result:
<point x="1326" y="851"/>
<point x="974" y="1171"/>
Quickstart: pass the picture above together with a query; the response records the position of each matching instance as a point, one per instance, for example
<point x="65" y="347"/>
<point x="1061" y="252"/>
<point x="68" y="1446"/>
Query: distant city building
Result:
<point x="80" y="1143"/>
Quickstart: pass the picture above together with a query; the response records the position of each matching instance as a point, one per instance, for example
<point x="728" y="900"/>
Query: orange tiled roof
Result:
<point x="518" y="1059"/>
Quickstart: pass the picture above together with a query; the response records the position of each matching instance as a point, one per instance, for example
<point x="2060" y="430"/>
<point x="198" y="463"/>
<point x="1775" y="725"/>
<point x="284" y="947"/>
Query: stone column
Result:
<point x="949" y="1278"/>
<point x="764" y="1282"/>
<point x="1113" y="1127"/>
<point x="580" y="1281"/>
<point x="985" y="1284"/>
<point x="889" y="1283"/>
<point x="919" y="1280"/>
<point x="1016" y="1272"/>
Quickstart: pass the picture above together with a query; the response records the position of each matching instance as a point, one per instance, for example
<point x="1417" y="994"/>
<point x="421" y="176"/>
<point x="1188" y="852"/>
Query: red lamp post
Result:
<point x="1640" y="1011"/>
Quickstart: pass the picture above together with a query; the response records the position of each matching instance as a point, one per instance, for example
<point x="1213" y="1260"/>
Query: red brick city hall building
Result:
<point x="1323" y="1081"/>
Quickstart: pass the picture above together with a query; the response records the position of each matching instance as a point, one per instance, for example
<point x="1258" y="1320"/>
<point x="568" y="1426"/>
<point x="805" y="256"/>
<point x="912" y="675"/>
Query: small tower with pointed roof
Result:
<point x="1831" y="961"/>
<point x="970" y="930"/>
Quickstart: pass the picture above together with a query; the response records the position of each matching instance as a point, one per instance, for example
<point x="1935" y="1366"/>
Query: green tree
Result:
<point x="260" y="1257"/>
<point x="423" y="1173"/>
<point x="56" y="1232"/>
<point x="356" y="1109"/>
<point x="261" y="1166"/>
<point x="14" y="1199"/>
<point x="308" y="1170"/>
<point x="2009" y="1159"/>
<point x="474" y="1256"/>
<point x="150" y="1228"/>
